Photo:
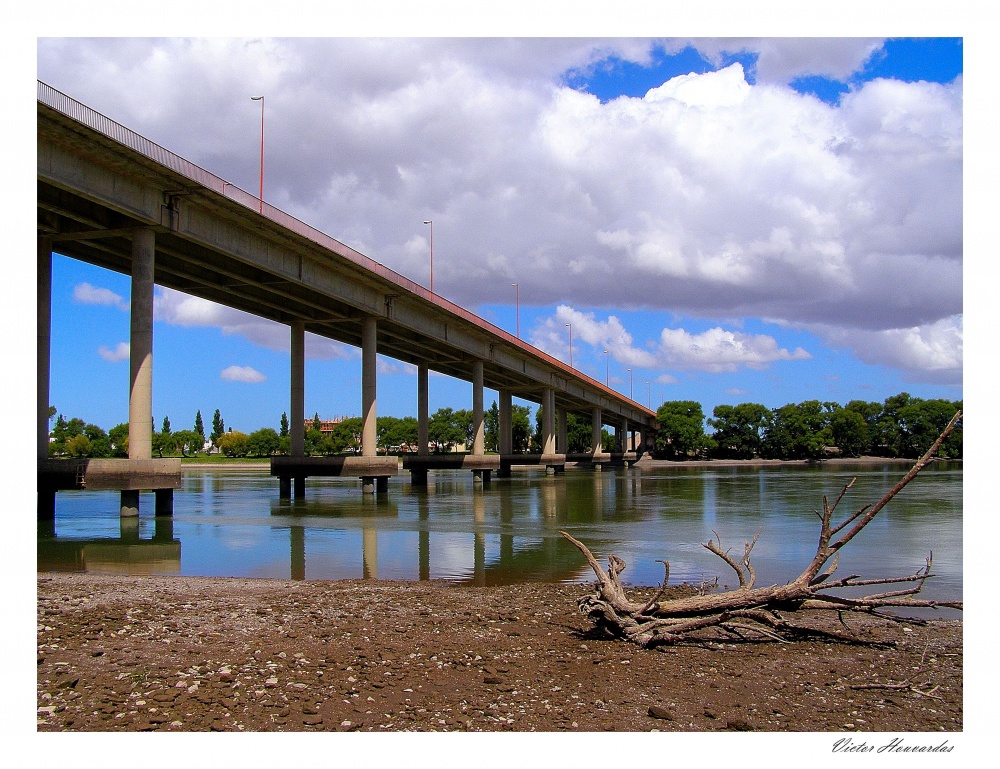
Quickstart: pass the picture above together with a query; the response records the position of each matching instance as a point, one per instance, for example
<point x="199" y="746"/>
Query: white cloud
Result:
<point x="119" y="353"/>
<point x="708" y="197"/>
<point x="88" y="294"/>
<point x="715" y="351"/>
<point x="928" y="353"/>
<point x="242" y="374"/>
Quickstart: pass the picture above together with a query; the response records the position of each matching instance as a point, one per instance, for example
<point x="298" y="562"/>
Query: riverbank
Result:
<point x="182" y="654"/>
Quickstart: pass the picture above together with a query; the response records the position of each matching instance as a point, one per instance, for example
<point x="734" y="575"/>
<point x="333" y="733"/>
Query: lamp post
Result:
<point x="261" y="196"/>
<point x="630" y="385"/>
<point x="607" y="369"/>
<point x="649" y="395"/>
<point x="517" y="308"/>
<point x="431" y="223"/>
<point x="570" y="327"/>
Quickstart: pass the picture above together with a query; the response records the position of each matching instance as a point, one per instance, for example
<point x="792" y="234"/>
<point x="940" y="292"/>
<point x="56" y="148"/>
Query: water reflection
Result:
<point x="233" y="523"/>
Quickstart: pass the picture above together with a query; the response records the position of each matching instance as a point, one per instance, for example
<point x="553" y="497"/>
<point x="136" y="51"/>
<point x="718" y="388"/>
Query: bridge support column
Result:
<point x="478" y="417"/>
<point x="596" y="423"/>
<point x="418" y="476"/>
<point x="562" y="441"/>
<point x="369" y="391"/>
<point x="46" y="505"/>
<point x="297" y="398"/>
<point x="505" y="407"/>
<point x="140" y="402"/>
<point x="548" y="424"/>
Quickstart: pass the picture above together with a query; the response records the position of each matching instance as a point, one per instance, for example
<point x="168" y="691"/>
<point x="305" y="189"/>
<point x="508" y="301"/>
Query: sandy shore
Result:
<point x="182" y="654"/>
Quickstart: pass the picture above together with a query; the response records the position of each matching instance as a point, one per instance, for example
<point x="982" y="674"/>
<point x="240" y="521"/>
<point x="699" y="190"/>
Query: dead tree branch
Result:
<point x="777" y="612"/>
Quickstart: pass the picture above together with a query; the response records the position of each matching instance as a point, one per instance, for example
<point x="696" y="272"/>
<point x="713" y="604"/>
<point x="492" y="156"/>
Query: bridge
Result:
<point x="111" y="198"/>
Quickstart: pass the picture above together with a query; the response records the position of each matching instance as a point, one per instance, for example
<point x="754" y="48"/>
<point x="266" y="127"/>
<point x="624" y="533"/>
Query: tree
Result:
<point x="491" y="428"/>
<point x="347" y="435"/>
<point x="218" y="428"/>
<point x="234" y="443"/>
<point x="739" y="430"/>
<point x="444" y="430"/>
<point x="682" y="429"/>
<point x="189" y="442"/>
<point x="283" y="432"/>
<point x="166" y="426"/>
<point x="78" y="445"/>
<point x="520" y="421"/>
<point x="263" y="442"/>
<point x="797" y="431"/>
<point x="849" y="432"/>
<point x="199" y="426"/>
<point x="777" y="612"/>
<point x="118" y="440"/>
<point x="317" y="423"/>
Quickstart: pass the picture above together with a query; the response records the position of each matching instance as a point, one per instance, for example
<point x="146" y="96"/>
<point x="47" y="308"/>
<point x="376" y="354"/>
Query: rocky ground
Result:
<point x="197" y="654"/>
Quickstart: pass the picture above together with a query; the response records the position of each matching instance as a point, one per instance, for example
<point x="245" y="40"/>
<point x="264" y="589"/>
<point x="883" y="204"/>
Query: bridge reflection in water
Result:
<point x="125" y="554"/>
<point x="232" y="524"/>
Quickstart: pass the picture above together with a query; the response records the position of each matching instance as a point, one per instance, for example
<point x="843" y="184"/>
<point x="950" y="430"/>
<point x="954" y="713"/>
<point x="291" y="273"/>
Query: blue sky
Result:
<point x="763" y="219"/>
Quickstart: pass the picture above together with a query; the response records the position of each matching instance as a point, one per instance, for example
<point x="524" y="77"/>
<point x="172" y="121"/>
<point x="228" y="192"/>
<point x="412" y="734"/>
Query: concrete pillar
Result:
<point x="44" y="330"/>
<point x="129" y="503"/>
<point x="297" y="400"/>
<point x="505" y="407"/>
<point x="368" y="388"/>
<point x="164" y="502"/>
<point x="140" y="402"/>
<point x="548" y="421"/>
<point x="596" y="423"/>
<point x="562" y="442"/>
<point x="478" y="426"/>
<point x="423" y="412"/>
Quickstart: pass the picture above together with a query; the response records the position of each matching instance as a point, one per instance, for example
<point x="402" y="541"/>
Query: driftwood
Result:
<point x="777" y="612"/>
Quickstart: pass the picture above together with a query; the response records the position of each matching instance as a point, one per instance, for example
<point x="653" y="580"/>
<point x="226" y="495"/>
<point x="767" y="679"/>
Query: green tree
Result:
<point x="189" y="442"/>
<point x="520" y="428"/>
<point x="739" y="430"/>
<point x="218" y="428"/>
<point x="283" y="432"/>
<point x="849" y="432"/>
<point x="199" y="426"/>
<point x="347" y="435"/>
<point x="166" y="426"/>
<point x="317" y="422"/>
<point x="118" y="440"/>
<point x="682" y="429"/>
<point x="491" y="428"/>
<point x="234" y="443"/>
<point x="78" y="445"/>
<point x="797" y="431"/>
<point x="444" y="430"/>
<point x="395" y="434"/>
<point x="263" y="442"/>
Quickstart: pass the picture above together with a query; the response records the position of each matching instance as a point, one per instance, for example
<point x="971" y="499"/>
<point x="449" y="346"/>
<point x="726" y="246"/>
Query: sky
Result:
<point x="733" y="220"/>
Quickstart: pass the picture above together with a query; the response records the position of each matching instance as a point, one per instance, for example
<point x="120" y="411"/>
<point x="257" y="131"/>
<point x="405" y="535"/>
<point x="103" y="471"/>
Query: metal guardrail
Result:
<point x="89" y="117"/>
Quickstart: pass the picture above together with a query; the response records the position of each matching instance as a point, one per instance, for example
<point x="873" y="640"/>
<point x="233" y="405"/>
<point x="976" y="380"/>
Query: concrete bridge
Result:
<point x="114" y="199"/>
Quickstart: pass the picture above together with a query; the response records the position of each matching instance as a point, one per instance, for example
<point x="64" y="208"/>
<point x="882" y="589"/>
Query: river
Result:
<point x="230" y="522"/>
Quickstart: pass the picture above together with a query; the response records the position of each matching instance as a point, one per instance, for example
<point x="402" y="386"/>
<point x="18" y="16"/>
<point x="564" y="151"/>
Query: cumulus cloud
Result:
<point x="716" y="350"/>
<point x="928" y="353"/>
<point x="718" y="195"/>
<point x="242" y="374"/>
<point x="85" y="293"/>
<point x="119" y="353"/>
<point x="180" y="309"/>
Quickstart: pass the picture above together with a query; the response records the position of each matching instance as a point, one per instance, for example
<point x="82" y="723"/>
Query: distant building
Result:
<point x="325" y="425"/>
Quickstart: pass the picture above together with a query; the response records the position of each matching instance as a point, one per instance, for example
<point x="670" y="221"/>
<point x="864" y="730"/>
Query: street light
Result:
<point x="570" y="327"/>
<point x="607" y="370"/>
<point x="630" y="385"/>
<point x="261" y="196"/>
<point x="517" y="306"/>
<point x="431" y="223"/>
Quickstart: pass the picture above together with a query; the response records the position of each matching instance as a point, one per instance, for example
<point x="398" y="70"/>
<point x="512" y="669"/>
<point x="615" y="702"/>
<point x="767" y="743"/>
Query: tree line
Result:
<point x="901" y="426"/>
